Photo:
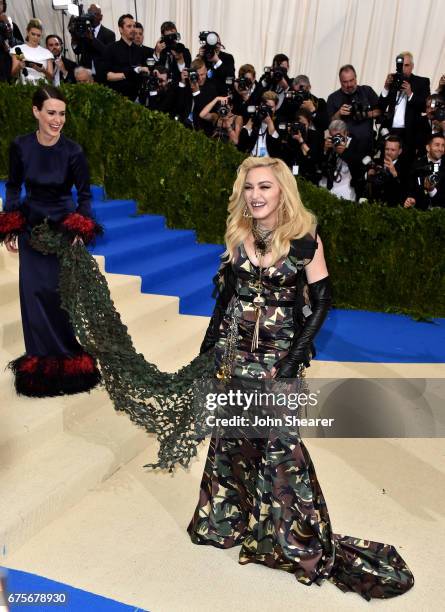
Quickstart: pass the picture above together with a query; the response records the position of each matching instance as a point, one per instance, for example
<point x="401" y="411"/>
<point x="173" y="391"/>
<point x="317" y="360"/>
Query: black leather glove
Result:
<point x="301" y="350"/>
<point x="224" y="289"/>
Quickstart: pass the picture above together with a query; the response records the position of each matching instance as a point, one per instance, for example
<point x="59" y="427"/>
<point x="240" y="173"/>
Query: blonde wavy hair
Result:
<point x="294" y="219"/>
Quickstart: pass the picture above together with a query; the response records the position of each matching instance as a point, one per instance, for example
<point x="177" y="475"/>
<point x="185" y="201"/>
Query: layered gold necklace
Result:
<point x="262" y="242"/>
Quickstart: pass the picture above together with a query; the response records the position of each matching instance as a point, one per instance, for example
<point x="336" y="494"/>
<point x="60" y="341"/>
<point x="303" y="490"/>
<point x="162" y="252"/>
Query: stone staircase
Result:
<point x="54" y="451"/>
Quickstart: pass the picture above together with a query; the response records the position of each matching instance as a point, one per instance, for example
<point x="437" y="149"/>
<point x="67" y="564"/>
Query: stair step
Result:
<point x="9" y="287"/>
<point x="131" y="250"/>
<point x="112" y="209"/>
<point x="27" y="423"/>
<point x="42" y="485"/>
<point x="188" y="284"/>
<point x="130" y="226"/>
<point x="170" y="263"/>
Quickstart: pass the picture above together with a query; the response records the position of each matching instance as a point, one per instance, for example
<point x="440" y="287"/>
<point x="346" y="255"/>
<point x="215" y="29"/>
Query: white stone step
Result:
<point x="41" y="485"/>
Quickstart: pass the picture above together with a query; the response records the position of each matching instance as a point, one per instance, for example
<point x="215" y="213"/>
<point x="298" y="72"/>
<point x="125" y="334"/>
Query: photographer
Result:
<point x="6" y="43"/>
<point x="158" y="92"/>
<point x="275" y="78"/>
<point x="124" y="61"/>
<point x="220" y="65"/>
<point x="195" y="91"/>
<point x="402" y="101"/>
<point x="340" y="166"/>
<point x="259" y="136"/>
<point x="34" y="63"/>
<point x="227" y="125"/>
<point x="17" y="38"/>
<point x="169" y="52"/>
<point x="302" y="145"/>
<point x="299" y="97"/>
<point x="387" y="181"/>
<point x="63" y="67"/>
<point x="90" y="39"/>
<point x="246" y="90"/>
<point x="432" y="122"/>
<point x="427" y="180"/>
<point x="356" y="105"/>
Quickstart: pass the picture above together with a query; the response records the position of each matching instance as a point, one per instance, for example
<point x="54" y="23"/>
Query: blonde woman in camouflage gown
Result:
<point x="263" y="494"/>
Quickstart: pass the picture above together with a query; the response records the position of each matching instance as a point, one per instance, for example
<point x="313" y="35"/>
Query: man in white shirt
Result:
<point x="403" y="105"/>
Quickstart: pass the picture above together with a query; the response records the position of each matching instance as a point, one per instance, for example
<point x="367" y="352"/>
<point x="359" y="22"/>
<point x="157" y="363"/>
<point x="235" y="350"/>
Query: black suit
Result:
<point x="391" y="190"/>
<point x="416" y="188"/>
<point x="240" y="106"/>
<point x="70" y="66"/>
<point x="247" y="143"/>
<point x="415" y="106"/>
<point x="91" y="50"/>
<point x="123" y="57"/>
<point x="146" y="53"/>
<point x="425" y="129"/>
<point x="220" y="74"/>
<point x="188" y="103"/>
<point x="166" y="59"/>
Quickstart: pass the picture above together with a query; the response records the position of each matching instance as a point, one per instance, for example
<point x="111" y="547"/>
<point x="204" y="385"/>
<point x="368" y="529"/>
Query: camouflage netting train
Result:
<point x="160" y="402"/>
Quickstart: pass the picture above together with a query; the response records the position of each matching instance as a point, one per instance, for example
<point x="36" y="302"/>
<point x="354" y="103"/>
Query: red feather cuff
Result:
<point x="86" y="228"/>
<point x="11" y="224"/>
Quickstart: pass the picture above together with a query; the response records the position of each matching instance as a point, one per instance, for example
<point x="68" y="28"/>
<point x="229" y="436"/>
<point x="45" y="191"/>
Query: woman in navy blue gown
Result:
<point x="49" y="165"/>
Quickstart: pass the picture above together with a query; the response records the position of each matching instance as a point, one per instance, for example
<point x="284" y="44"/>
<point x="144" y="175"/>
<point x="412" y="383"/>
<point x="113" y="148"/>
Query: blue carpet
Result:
<point x="171" y="262"/>
<point x="76" y="599"/>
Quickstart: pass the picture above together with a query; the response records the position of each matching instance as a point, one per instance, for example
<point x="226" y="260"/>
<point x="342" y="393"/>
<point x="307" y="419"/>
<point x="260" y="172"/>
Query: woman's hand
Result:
<point x="11" y="244"/>
<point x="77" y="240"/>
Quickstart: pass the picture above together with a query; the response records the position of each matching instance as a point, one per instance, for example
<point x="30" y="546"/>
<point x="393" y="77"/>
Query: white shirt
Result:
<point x="260" y="148"/>
<point x="39" y="55"/>
<point x="399" y="111"/>
<point x="343" y="188"/>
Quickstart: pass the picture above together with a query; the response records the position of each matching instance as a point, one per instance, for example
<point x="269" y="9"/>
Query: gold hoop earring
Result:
<point x="246" y="213"/>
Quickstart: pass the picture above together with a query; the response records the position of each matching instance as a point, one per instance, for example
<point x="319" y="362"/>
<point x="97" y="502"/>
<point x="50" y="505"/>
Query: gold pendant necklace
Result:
<point x="262" y="241"/>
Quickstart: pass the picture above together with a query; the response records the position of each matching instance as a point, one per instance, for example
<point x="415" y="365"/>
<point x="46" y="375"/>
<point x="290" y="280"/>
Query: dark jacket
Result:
<point x="416" y="185"/>
<point x="90" y="50"/>
<point x="415" y="106"/>
<point x="189" y="103"/>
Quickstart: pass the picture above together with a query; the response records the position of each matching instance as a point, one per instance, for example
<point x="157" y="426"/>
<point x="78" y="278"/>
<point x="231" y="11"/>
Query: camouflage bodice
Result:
<point x="276" y="329"/>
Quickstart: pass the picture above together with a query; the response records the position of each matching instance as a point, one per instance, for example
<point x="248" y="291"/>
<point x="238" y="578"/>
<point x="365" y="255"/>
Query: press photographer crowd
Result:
<point x="384" y="147"/>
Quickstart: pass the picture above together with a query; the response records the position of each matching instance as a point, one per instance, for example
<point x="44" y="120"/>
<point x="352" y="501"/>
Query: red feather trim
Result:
<point x="11" y="222"/>
<point x="78" y="225"/>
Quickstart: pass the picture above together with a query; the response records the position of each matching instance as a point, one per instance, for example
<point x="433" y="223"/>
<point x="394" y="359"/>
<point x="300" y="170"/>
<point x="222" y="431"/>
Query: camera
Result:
<point x="430" y="171"/>
<point x="244" y="83"/>
<point x="229" y="84"/>
<point x="171" y="40"/>
<point x="379" y="175"/>
<point x="438" y="107"/>
<point x="292" y="128"/>
<point x="81" y="26"/>
<point x="433" y="169"/>
<point x="259" y="113"/>
<point x="272" y="76"/>
<point x="193" y="76"/>
<point x="209" y="41"/>
<point x="398" y="77"/>
<point x="5" y="32"/>
<point x="337" y="140"/>
<point x="297" y="97"/>
<point x="223" y="110"/>
<point x="359" y="110"/>
<point x="150" y="83"/>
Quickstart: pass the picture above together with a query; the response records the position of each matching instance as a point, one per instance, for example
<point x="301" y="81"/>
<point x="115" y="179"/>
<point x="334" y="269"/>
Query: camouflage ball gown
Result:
<point x="263" y="494"/>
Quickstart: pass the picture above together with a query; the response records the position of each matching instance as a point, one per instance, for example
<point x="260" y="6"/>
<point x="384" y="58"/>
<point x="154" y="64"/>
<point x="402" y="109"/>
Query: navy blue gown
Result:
<point x="54" y="362"/>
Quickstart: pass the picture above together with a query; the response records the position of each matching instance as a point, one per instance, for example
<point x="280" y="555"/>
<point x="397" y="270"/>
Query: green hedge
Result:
<point x="379" y="258"/>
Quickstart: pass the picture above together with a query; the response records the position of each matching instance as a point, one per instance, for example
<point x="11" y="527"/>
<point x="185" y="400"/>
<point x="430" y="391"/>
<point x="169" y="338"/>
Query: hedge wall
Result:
<point x="379" y="258"/>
